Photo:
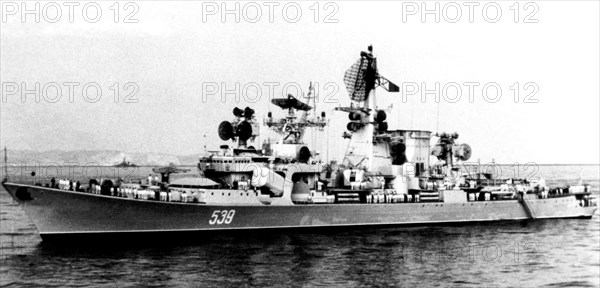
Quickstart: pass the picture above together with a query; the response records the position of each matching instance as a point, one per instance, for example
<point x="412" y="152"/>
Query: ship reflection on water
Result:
<point x="471" y="255"/>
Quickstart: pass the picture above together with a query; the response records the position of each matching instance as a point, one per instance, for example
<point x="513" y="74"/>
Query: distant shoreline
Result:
<point x="108" y="158"/>
<point x="194" y="165"/>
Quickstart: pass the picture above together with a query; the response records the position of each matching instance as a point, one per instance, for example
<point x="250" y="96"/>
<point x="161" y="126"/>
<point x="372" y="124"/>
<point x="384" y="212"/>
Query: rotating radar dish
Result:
<point x="237" y="112"/>
<point x="225" y="131"/>
<point x="248" y="112"/>
<point x="244" y="130"/>
<point x="357" y="79"/>
<point x="463" y="152"/>
<point x="304" y="154"/>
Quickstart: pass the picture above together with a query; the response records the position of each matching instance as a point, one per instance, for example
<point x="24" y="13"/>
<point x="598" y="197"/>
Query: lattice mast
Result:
<point x="361" y="79"/>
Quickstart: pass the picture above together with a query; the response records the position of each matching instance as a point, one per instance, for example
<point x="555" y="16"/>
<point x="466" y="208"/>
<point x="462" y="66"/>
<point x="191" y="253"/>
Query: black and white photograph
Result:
<point x="306" y="143"/>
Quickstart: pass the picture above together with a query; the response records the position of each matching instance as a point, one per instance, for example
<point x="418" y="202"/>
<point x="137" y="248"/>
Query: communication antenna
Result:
<point x="5" y="166"/>
<point x="327" y="144"/>
<point x="412" y="114"/>
<point x="437" y="124"/>
<point x="308" y="97"/>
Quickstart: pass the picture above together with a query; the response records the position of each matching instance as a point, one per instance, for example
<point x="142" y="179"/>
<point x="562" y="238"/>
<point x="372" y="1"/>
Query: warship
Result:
<point x="124" y="163"/>
<point x="385" y="179"/>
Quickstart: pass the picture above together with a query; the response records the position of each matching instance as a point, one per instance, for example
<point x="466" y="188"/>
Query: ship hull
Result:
<point x="59" y="214"/>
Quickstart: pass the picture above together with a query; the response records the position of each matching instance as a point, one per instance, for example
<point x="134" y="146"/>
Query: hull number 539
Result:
<point x="221" y="217"/>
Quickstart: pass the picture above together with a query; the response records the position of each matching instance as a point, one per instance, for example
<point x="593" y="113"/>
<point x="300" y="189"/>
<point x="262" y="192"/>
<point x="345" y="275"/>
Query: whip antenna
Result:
<point x="5" y="166"/>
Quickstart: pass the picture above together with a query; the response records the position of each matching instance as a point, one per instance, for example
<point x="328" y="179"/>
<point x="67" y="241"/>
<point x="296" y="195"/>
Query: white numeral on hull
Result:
<point x="221" y="217"/>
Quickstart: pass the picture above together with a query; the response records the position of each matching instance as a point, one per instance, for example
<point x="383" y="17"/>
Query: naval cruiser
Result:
<point x="385" y="179"/>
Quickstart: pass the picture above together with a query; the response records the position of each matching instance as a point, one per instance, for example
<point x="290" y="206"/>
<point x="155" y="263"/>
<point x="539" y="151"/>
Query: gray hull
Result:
<point x="57" y="212"/>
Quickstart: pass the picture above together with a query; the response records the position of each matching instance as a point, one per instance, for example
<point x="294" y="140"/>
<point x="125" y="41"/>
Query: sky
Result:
<point x="168" y="71"/>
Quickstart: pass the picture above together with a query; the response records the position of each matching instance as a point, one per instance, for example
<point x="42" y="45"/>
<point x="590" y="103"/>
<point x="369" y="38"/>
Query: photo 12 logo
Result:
<point x="528" y="252"/>
<point x="69" y="12"/>
<point x="54" y="92"/>
<point x="10" y="247"/>
<point x="527" y="170"/>
<point x="471" y="91"/>
<point x="44" y="172"/>
<point x="269" y="12"/>
<point x="253" y="92"/>
<point x="471" y="12"/>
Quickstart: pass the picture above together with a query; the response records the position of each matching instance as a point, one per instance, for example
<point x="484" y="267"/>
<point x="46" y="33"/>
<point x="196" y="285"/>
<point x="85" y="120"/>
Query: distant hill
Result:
<point x="97" y="157"/>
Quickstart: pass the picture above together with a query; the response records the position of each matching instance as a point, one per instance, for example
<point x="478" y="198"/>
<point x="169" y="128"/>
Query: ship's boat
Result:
<point x="386" y="178"/>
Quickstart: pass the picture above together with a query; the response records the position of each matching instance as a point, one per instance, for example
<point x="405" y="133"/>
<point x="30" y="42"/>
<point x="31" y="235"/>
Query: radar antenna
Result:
<point x="447" y="149"/>
<point x="240" y="129"/>
<point x="363" y="76"/>
<point x="291" y="127"/>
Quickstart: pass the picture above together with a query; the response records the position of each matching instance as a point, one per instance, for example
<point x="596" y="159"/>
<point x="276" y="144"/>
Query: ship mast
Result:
<point x="361" y="80"/>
